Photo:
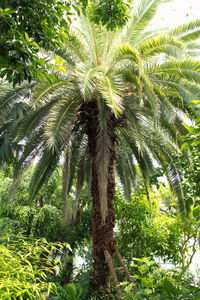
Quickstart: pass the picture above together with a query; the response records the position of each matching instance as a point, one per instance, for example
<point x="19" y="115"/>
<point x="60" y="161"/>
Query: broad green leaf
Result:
<point x="26" y="36"/>
<point x="57" y="60"/>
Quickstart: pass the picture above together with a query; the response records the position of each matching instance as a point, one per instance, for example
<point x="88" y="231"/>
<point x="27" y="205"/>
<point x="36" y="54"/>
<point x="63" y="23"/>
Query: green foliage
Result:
<point x="28" y="28"/>
<point x="120" y="72"/>
<point x="111" y="13"/>
<point x="25" y="27"/>
<point x="132" y="90"/>
<point x="24" y="215"/>
<point x="145" y="229"/>
<point x="189" y="168"/>
<point x="47" y="222"/>
<point x="26" y="266"/>
<point x="156" y="283"/>
<point x="69" y="292"/>
<point x="193" y="136"/>
<point x="43" y="222"/>
<point x="42" y="217"/>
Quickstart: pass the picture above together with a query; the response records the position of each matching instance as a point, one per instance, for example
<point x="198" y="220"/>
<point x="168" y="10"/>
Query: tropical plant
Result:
<point x="193" y="136"/>
<point x="145" y="229"/>
<point x="118" y="103"/>
<point x="69" y="292"/>
<point x="157" y="283"/>
<point x="26" y="266"/>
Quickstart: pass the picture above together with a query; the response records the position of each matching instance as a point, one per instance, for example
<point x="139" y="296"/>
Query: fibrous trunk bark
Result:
<point x="102" y="231"/>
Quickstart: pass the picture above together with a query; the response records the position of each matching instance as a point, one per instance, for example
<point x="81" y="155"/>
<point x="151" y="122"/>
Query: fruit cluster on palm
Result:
<point x="120" y="104"/>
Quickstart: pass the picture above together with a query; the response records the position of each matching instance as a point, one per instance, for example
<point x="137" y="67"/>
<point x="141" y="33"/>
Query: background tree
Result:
<point x="25" y="27"/>
<point x="28" y="27"/>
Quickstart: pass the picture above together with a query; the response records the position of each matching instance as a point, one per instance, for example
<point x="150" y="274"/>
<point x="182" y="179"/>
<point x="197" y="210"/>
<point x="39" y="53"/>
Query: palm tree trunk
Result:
<point x="102" y="232"/>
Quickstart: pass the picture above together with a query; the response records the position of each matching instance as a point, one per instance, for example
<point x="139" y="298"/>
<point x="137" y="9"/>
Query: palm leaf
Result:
<point x="111" y="87"/>
<point x="42" y="171"/>
<point x="142" y="16"/>
<point x="187" y="32"/>
<point x="163" y="43"/>
<point x="59" y="122"/>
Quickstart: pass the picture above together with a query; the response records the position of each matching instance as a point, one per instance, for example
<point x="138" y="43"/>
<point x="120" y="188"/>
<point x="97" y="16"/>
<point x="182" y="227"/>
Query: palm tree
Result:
<point x="119" y="104"/>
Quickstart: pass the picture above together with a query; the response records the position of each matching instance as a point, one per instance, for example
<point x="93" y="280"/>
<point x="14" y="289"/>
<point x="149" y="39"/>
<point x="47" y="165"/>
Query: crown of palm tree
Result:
<point x="139" y="81"/>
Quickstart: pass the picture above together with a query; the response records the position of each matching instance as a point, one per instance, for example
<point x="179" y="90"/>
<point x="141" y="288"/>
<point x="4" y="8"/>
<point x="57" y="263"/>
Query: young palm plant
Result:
<point x="120" y="104"/>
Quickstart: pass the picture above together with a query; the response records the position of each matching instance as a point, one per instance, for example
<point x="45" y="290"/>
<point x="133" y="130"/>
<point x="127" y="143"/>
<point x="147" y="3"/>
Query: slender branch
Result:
<point x="191" y="257"/>
<point x="124" y="267"/>
<point x="113" y="273"/>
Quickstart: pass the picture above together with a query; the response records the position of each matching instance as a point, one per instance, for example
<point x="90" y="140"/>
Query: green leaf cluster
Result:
<point x="156" y="283"/>
<point x="25" y="267"/>
<point x="146" y="229"/>
<point x="25" y="28"/>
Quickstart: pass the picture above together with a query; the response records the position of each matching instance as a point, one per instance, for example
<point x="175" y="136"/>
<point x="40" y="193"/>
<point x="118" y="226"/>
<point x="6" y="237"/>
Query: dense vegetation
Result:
<point x="94" y="107"/>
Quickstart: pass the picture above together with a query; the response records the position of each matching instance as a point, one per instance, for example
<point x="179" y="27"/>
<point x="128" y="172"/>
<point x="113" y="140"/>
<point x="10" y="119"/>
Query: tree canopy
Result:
<point x="26" y="27"/>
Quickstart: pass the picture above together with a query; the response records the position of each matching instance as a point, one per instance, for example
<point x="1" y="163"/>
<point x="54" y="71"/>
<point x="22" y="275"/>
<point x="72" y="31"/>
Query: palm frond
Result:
<point x="193" y="49"/>
<point x="8" y="150"/>
<point x="143" y="158"/>
<point x="148" y="96"/>
<point x="162" y="151"/>
<point x="31" y="150"/>
<point x="164" y="44"/>
<point x="111" y="87"/>
<point x="142" y="16"/>
<point x="93" y="37"/>
<point x="43" y="170"/>
<point x="10" y="95"/>
<point x="67" y="211"/>
<point x="126" y="52"/>
<point x="65" y="54"/>
<point x="187" y="69"/>
<point x="148" y="34"/>
<point x="187" y="32"/>
<point x="126" y="169"/>
<point x="174" y="180"/>
<point x="76" y="48"/>
<point x="41" y="93"/>
<point x="79" y="184"/>
<point x="59" y="123"/>
<point x="86" y="79"/>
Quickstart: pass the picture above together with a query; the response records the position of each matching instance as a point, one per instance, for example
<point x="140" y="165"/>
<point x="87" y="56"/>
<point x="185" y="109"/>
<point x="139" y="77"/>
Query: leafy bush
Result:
<point x="145" y="229"/>
<point x="47" y="222"/>
<point x="157" y="284"/>
<point x="69" y="292"/>
<point x="26" y="266"/>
